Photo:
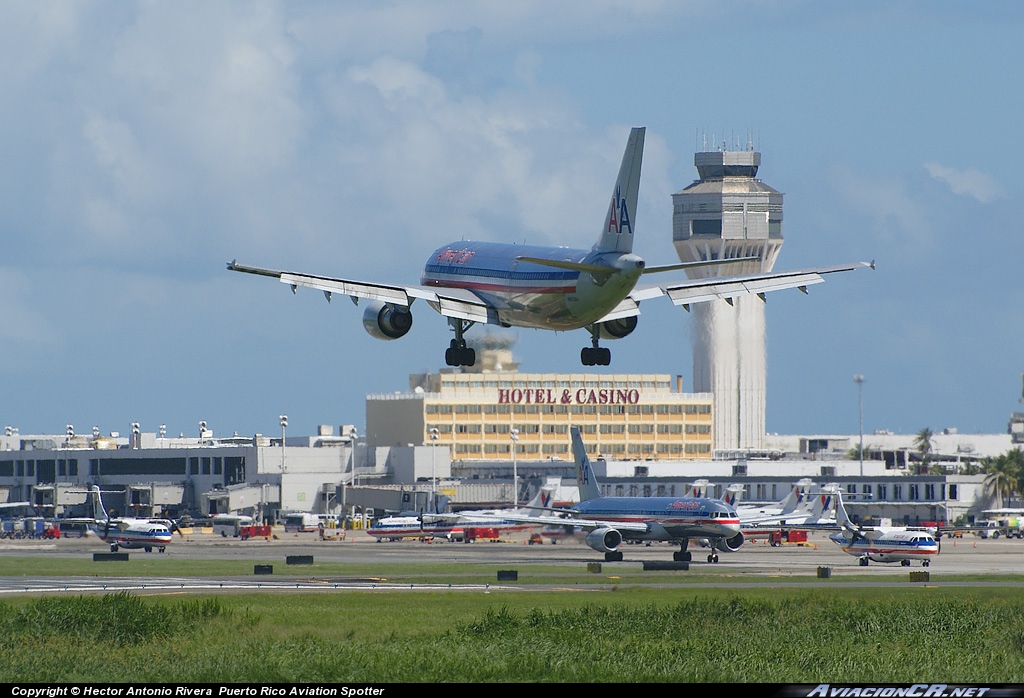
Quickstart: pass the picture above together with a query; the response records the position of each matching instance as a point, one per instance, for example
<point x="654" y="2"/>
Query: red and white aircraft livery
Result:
<point x="551" y="288"/>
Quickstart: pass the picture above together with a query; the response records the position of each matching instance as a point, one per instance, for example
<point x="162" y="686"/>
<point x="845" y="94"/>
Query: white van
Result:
<point x="303" y="522"/>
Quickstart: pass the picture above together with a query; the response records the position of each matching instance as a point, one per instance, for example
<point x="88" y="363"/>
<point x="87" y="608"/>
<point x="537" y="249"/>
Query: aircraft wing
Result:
<point x="726" y="287"/>
<point x="637" y="526"/>
<point x="450" y="302"/>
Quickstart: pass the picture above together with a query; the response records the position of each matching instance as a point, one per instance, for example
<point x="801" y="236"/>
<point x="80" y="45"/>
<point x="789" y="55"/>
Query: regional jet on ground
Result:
<point x="611" y="520"/>
<point x="883" y="544"/>
<point x="552" y="288"/>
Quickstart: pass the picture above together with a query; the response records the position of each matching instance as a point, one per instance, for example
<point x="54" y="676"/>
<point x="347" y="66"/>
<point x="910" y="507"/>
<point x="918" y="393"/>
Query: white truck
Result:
<point x="1009" y="527"/>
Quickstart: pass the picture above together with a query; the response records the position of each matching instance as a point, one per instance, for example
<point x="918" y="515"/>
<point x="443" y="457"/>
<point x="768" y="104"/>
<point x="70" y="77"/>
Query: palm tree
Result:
<point x="1003" y="476"/>
<point x="923" y="444"/>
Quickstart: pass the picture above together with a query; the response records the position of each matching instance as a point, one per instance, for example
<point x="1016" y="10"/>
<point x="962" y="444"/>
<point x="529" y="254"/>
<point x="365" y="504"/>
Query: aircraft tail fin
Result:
<point x="99" y="512"/>
<point x="698" y="489"/>
<point x="795" y="498"/>
<point x="542" y="500"/>
<point x="584" y="472"/>
<point x="841" y="516"/>
<point x="617" y="234"/>
<point x="733" y="495"/>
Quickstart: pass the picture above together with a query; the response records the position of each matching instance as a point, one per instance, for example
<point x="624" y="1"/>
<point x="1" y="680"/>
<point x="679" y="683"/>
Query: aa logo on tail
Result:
<point x="618" y="215"/>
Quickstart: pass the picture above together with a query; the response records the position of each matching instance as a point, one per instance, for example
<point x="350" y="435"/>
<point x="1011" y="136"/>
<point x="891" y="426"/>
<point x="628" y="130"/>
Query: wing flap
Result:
<point x="455" y="303"/>
<point x="397" y="295"/>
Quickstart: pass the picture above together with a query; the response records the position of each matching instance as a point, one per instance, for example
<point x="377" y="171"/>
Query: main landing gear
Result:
<point x="595" y="355"/>
<point x="458" y="354"/>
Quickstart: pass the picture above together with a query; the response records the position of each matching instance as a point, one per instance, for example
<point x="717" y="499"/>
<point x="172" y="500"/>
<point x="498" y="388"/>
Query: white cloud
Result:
<point x="970" y="182"/>
<point x="895" y="216"/>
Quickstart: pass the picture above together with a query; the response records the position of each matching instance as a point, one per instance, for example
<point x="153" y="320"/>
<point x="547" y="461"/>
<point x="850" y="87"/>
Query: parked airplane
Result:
<point x="611" y="520"/>
<point x="883" y="544"/>
<point x="456" y="525"/>
<point x="128" y="532"/>
<point x="801" y="508"/>
<point x="552" y="288"/>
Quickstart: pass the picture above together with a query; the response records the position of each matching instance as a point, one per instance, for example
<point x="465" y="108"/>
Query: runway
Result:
<point x="969" y="561"/>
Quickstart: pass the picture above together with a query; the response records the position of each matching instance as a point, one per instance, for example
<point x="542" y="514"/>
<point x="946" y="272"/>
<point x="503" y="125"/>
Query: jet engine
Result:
<point x="730" y="545"/>
<point x="617" y="329"/>
<point x="387" y="321"/>
<point x="604" y="540"/>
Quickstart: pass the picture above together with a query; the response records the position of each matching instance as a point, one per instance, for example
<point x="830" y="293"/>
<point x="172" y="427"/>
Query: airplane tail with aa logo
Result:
<point x="617" y="234"/>
<point x="584" y="473"/>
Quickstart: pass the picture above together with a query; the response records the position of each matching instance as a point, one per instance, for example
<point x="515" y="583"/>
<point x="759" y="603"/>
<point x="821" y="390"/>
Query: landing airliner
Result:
<point x="551" y="288"/>
<point x="883" y="544"/>
<point x="611" y="520"/>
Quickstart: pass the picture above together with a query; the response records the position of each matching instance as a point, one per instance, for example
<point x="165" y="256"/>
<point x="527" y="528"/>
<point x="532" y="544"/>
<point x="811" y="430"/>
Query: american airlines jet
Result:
<point x="550" y="288"/>
<point x="609" y="521"/>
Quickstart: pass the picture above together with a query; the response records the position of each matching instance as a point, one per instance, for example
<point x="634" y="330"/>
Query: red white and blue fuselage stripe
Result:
<point x="680" y="518"/>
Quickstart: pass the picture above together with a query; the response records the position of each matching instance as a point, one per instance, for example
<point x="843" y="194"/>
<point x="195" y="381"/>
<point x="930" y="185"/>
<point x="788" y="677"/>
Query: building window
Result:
<point x="952" y="492"/>
<point x="706" y="227"/>
<point x="883" y="493"/>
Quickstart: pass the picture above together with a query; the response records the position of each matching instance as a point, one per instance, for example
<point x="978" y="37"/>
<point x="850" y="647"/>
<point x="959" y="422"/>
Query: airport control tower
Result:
<point x="728" y="213"/>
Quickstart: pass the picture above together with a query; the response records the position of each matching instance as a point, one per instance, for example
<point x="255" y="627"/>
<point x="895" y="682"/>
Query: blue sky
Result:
<point x="146" y="144"/>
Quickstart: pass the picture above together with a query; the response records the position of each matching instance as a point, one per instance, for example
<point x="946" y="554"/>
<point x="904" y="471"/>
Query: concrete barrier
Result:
<point x="650" y="565"/>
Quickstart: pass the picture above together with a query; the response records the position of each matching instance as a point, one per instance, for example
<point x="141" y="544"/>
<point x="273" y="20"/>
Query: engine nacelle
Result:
<point x="604" y="540"/>
<point x="387" y="321"/>
<point x="730" y="545"/>
<point x="617" y="329"/>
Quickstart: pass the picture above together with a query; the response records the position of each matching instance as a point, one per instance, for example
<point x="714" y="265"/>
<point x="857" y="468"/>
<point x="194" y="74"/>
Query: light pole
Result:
<point x="284" y="424"/>
<point x="514" y="435"/>
<point x="352" y="434"/>
<point x="859" y="380"/>
<point x="433" y="475"/>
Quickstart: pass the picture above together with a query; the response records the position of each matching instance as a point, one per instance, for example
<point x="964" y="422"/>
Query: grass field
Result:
<point x="623" y="632"/>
